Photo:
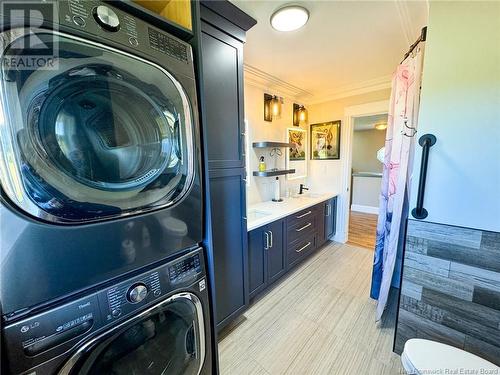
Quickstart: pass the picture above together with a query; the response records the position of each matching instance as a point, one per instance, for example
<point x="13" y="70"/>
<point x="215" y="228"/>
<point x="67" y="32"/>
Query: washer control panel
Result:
<point x="185" y="270"/>
<point x="106" y="18"/>
<point x="123" y="298"/>
<point x="137" y="293"/>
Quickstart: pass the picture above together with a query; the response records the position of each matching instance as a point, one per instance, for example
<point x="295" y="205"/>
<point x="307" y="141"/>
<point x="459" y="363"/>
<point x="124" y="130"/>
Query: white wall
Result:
<point x="365" y="194"/>
<point x="261" y="188"/>
<point x="365" y="144"/>
<point x="460" y="105"/>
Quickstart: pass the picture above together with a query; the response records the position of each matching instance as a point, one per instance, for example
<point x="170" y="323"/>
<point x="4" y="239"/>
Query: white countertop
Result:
<point x="263" y="213"/>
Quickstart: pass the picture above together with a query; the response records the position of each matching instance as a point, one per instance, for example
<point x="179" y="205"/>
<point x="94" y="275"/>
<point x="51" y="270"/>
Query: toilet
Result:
<point x="429" y="357"/>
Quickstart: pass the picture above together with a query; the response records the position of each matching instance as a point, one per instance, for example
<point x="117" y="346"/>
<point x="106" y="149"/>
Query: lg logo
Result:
<point x="26" y="327"/>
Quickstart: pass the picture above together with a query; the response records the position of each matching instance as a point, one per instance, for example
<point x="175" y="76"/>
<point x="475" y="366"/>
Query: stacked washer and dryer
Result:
<point x="101" y="266"/>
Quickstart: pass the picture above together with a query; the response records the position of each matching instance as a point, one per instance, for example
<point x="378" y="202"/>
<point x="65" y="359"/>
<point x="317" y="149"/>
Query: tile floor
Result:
<point x="316" y="320"/>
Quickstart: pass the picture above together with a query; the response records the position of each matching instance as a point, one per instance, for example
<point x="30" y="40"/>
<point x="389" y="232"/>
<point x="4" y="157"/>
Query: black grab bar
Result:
<point x="426" y="141"/>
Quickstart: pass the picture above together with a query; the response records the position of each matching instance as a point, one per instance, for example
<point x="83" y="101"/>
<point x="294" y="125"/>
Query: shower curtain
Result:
<point x="396" y="178"/>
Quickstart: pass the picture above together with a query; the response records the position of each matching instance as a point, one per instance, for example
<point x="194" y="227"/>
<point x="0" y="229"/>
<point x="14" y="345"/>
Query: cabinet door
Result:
<point x="330" y="218"/>
<point x="223" y="92"/>
<point x="229" y="240"/>
<point x="258" y="242"/>
<point x="321" y="223"/>
<point x="276" y="263"/>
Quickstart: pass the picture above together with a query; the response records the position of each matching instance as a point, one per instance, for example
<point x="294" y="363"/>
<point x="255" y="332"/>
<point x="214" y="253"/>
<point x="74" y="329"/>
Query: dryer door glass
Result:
<point x="167" y="340"/>
<point x="96" y="135"/>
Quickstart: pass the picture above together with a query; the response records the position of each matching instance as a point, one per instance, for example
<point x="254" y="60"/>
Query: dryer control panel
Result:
<point x="106" y="21"/>
<point x="43" y="337"/>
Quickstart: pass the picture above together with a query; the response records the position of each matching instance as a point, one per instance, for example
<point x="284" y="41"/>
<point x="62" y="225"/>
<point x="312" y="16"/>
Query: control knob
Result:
<point x="137" y="292"/>
<point x="106" y="18"/>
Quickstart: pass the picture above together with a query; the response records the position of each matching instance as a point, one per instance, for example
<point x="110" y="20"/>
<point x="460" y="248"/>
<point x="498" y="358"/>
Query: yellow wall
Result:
<point x="323" y="175"/>
<point x="326" y="175"/>
<point x="261" y="188"/>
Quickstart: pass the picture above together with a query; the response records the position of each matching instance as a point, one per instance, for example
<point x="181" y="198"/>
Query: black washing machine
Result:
<point x="100" y="177"/>
<point x="154" y="323"/>
<point x="100" y="161"/>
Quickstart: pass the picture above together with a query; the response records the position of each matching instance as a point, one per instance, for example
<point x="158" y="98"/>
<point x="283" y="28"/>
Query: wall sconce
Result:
<point x="299" y="115"/>
<point x="272" y="107"/>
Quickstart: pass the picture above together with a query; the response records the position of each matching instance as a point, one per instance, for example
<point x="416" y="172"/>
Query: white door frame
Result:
<point x="344" y="200"/>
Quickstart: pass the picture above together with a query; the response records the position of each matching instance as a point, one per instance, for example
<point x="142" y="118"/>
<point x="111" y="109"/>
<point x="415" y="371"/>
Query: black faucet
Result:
<point x="302" y="188"/>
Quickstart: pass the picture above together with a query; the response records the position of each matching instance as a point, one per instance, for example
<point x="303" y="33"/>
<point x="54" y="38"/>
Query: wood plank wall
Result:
<point x="451" y="288"/>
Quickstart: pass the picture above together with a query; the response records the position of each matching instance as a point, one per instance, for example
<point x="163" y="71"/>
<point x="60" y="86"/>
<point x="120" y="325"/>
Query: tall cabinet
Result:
<point x="223" y="30"/>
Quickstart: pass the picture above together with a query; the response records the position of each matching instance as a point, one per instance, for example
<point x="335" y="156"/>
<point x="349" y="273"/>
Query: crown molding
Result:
<point x="276" y="86"/>
<point x="266" y="81"/>
<point x="405" y="21"/>
<point x="360" y="88"/>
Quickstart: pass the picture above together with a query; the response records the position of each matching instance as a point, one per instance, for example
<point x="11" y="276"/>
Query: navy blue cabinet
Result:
<point x="223" y="28"/>
<point x="276" y="262"/>
<point x="275" y="248"/>
<point x="330" y="217"/>
<point x="258" y="240"/>
<point x="223" y="92"/>
<point x="266" y="256"/>
<point x="229" y="241"/>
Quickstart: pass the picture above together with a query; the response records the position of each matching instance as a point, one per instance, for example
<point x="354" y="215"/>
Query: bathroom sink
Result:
<point x="312" y="195"/>
<point x="257" y="214"/>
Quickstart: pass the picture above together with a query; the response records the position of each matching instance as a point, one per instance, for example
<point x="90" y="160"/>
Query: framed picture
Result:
<point x="325" y="141"/>
<point x="296" y="155"/>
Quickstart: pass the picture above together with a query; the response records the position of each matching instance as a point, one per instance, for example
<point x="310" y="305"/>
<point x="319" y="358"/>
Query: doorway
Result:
<point x="368" y="142"/>
<point x="357" y="225"/>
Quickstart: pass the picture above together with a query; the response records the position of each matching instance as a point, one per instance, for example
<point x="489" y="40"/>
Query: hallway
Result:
<point x="362" y="229"/>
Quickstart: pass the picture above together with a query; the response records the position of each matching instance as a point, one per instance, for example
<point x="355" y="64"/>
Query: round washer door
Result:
<point x="96" y="134"/>
<point x="165" y="339"/>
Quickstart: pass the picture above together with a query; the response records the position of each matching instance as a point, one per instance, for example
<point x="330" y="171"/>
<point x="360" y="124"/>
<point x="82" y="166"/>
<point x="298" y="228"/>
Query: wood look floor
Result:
<point x="362" y="229"/>
<point x="318" y="319"/>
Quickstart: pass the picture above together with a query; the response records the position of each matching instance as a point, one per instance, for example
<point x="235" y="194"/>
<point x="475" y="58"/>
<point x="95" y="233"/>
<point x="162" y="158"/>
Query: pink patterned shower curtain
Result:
<point x="396" y="178"/>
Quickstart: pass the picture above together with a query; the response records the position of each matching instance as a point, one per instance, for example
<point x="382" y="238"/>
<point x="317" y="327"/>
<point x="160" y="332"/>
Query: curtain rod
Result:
<point x="422" y="38"/>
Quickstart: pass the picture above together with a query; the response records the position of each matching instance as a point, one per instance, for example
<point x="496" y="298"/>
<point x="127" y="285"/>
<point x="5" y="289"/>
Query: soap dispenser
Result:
<point x="262" y="164"/>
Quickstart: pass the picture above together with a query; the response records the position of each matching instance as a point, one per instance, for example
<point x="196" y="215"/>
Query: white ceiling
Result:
<point x="344" y="46"/>
<point x="368" y="122"/>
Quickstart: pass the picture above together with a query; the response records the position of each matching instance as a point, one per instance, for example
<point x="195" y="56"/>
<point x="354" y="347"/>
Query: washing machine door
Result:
<point x="96" y="134"/>
<point x="166" y="339"/>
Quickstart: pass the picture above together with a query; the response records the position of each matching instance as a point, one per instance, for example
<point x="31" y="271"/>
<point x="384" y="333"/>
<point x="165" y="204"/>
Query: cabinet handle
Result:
<point x="304" y="227"/>
<point x="267" y="241"/>
<point x="327" y="210"/>
<point x="303" y="247"/>
<point x="303" y="215"/>
<point x="271" y="234"/>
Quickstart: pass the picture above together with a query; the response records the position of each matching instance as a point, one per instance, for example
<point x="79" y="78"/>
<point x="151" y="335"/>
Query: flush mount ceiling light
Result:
<point x="289" y="18"/>
<point x="381" y="125"/>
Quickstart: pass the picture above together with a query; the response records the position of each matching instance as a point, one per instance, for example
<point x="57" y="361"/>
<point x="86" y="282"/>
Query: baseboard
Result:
<point x="365" y="209"/>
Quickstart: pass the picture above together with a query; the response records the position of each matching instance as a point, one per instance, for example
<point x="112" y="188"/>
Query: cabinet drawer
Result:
<point x="304" y="227"/>
<point x="301" y="216"/>
<point x="301" y="248"/>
